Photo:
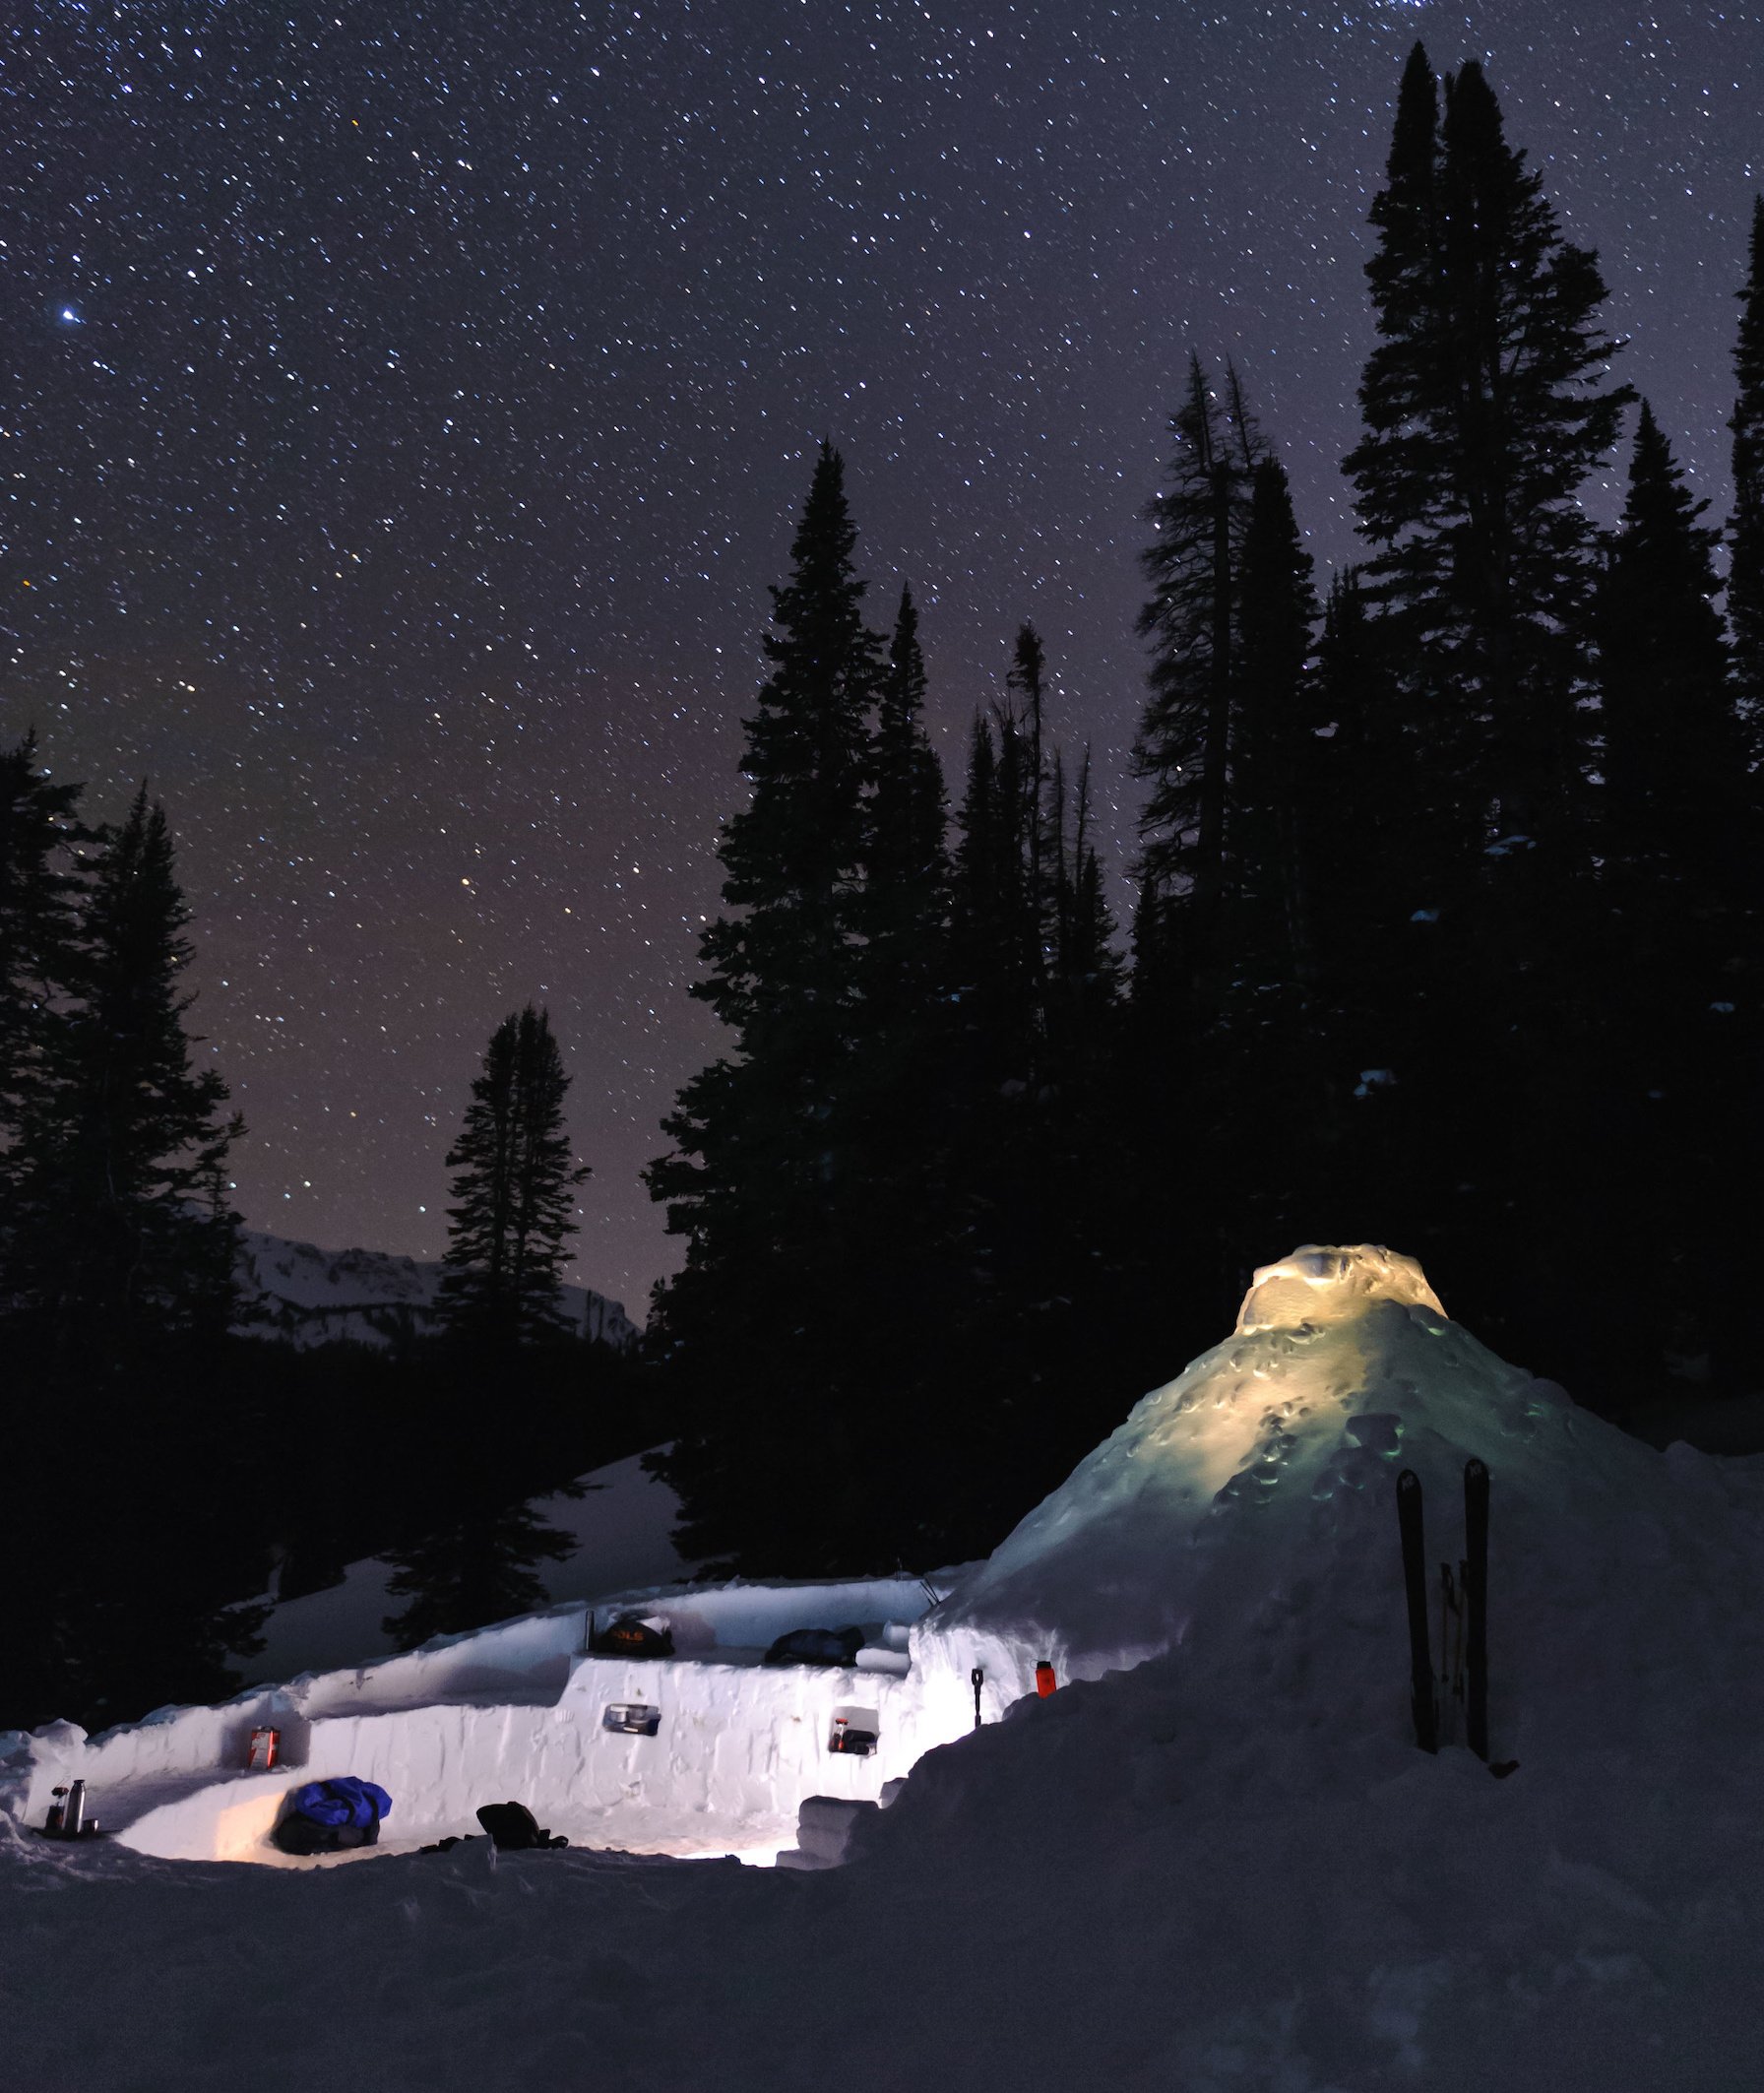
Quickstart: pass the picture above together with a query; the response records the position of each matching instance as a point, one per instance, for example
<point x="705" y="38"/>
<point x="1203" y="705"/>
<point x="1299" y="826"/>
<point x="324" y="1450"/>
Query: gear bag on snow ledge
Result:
<point x="332" y="1817"/>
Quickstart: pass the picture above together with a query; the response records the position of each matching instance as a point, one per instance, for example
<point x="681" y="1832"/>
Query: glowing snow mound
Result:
<point x="1326" y="1283"/>
<point x="1266" y="1465"/>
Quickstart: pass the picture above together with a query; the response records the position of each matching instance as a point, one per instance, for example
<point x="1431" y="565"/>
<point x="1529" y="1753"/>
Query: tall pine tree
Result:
<point x="1484" y="419"/>
<point x="904" y="897"/>
<point x="1277" y="716"/>
<point x="1032" y="1198"/>
<point x="1678" y="873"/>
<point x="1183" y="748"/>
<point x="1224" y="988"/>
<point x="1383" y="980"/>
<point x="127" y="1234"/>
<point x="760" y="1182"/>
<point x="1485" y="413"/>
<point x="1028" y="679"/>
<point x="1745" y="564"/>
<point x="120" y="1294"/>
<point x="39" y="888"/>
<point x="1674" y="757"/>
<point x="514" y="1191"/>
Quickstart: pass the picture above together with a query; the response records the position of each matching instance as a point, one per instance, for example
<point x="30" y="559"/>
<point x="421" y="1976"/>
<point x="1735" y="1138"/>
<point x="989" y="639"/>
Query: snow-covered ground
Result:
<point x="309" y="1296"/>
<point x="1216" y="1861"/>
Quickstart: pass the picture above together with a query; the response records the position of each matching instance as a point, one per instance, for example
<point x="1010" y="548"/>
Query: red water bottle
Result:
<point x="1045" y="1679"/>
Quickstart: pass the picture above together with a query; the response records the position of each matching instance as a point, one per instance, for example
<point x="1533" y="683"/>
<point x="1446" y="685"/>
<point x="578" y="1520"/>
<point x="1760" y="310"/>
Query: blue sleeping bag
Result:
<point x="344" y="1801"/>
<point x="329" y="1816"/>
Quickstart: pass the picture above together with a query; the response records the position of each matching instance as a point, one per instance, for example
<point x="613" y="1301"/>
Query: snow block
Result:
<point x="824" y="1831"/>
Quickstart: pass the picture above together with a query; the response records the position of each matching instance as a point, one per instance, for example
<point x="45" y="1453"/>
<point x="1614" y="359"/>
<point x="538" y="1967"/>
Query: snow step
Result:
<point x="824" y="1826"/>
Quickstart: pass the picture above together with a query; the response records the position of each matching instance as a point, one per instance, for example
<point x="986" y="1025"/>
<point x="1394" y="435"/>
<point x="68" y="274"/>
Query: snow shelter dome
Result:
<point x="1329" y="1283"/>
<point x="1255" y="1488"/>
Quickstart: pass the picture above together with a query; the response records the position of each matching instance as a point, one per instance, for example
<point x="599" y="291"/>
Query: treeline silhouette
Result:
<point x="165" y="1458"/>
<point x="1447" y="931"/>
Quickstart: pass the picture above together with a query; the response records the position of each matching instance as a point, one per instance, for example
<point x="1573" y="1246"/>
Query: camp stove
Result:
<point x="634" y="1718"/>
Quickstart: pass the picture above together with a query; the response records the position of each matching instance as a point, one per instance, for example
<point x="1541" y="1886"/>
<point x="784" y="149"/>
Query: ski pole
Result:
<point x="1415" y="1585"/>
<point x="1476" y="1592"/>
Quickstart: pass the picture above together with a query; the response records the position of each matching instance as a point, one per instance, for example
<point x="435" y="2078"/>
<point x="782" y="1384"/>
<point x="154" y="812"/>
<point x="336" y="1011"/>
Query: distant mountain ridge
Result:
<point x="297" y="1294"/>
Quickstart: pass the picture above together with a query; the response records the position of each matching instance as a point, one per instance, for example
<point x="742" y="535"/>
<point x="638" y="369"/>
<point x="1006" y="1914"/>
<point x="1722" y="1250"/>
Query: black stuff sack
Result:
<point x="631" y="1636"/>
<point x="837" y="1646"/>
<point x="512" y="1828"/>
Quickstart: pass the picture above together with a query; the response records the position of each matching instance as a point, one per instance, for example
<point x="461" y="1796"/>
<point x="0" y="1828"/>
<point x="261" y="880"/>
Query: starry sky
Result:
<point x="404" y="407"/>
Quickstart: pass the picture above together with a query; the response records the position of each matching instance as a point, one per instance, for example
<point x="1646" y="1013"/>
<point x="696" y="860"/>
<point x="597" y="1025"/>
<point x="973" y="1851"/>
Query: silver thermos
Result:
<point x="74" y="1819"/>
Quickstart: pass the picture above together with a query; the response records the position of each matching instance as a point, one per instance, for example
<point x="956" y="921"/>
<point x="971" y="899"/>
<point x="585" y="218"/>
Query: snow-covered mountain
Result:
<point x="304" y="1295"/>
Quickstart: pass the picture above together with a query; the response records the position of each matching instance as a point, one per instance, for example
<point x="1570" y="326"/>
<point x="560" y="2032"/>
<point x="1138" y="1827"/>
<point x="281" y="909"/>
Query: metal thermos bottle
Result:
<point x="76" y="1810"/>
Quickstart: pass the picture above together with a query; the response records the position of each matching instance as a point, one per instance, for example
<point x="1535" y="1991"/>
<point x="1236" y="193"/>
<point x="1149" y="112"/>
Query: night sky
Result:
<point x="405" y="407"/>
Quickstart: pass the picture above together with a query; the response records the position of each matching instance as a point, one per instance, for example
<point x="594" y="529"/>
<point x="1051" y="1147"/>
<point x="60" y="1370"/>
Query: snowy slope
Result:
<point x="1227" y="1868"/>
<point x="307" y="1297"/>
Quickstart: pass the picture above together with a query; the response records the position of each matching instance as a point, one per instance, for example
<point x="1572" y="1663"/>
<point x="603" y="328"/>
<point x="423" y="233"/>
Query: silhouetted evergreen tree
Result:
<point x="1746" y="567"/>
<point x="1483" y="422"/>
<point x="126" y="1236"/>
<point x="1034" y="1197"/>
<point x="117" y="1565"/>
<point x="514" y="1191"/>
<point x="39" y="950"/>
<point x="1365" y="793"/>
<point x="982" y="875"/>
<point x="1484" y="419"/>
<point x="1184" y="746"/>
<point x="1028" y="746"/>
<point x="1272" y="1069"/>
<point x="1384" y="983"/>
<point x="759" y="1181"/>
<point x="1278" y="707"/>
<point x="1225" y="990"/>
<point x="1085" y="978"/>
<point x="1678" y="873"/>
<point x="902" y="904"/>
<point x="1674" y="757"/>
<point x="994" y="933"/>
<point x="1086" y="972"/>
